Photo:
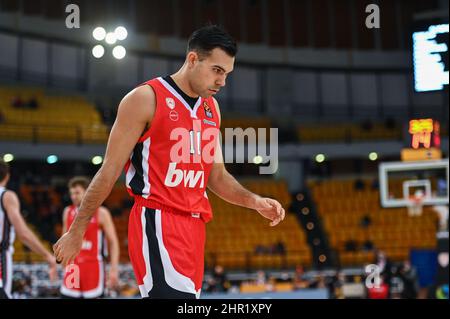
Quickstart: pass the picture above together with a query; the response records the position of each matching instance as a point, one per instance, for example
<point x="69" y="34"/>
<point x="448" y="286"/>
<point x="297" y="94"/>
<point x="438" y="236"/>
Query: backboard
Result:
<point x="402" y="181"/>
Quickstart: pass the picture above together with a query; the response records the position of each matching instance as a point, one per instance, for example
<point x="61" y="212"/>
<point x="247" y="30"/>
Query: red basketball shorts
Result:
<point x="166" y="250"/>
<point x="84" y="280"/>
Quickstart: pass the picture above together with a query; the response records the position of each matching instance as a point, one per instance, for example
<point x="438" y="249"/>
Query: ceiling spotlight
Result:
<point x="52" y="159"/>
<point x="320" y="158"/>
<point x="98" y="51"/>
<point x="96" y="160"/>
<point x="8" y="158"/>
<point x="257" y="159"/>
<point x="119" y="52"/>
<point x="373" y="156"/>
<point x="121" y="33"/>
<point x="99" y="34"/>
<point x="111" y="38"/>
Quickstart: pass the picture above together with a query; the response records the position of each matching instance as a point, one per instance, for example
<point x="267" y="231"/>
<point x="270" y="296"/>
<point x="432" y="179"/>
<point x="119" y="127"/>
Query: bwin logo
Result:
<point x="190" y="178"/>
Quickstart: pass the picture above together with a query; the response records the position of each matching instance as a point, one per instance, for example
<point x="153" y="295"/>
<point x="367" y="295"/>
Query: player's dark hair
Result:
<point x="79" y="181"/>
<point x="4" y="170"/>
<point x="207" y="38"/>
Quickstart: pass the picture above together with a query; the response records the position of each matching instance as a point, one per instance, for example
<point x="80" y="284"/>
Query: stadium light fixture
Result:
<point x="111" y="38"/>
<point x="121" y="33"/>
<point x="320" y="158"/>
<point x="119" y="52"/>
<point x="99" y="34"/>
<point x="98" y="51"/>
<point x="257" y="160"/>
<point x="373" y="156"/>
<point x="97" y="160"/>
<point x="8" y="158"/>
<point x="52" y="159"/>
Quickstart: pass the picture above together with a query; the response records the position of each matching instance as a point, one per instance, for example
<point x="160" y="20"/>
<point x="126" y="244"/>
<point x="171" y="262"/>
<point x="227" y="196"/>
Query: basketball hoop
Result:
<point x="415" y="206"/>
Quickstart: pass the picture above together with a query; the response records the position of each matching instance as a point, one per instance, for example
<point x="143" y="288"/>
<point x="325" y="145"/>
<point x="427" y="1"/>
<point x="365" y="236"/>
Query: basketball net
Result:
<point x="415" y="207"/>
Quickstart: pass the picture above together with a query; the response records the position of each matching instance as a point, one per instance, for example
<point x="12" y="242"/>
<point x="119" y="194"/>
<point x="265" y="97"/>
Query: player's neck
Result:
<point x="182" y="82"/>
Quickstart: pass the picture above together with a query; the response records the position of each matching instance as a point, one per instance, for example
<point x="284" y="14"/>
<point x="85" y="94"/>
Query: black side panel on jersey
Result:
<point x="137" y="182"/>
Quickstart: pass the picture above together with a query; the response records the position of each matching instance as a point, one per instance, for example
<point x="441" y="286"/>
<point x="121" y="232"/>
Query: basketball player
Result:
<point x="88" y="265"/>
<point x="11" y="222"/>
<point x="166" y="234"/>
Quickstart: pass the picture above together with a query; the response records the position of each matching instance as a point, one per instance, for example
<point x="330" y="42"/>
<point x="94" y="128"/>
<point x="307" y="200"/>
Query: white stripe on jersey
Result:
<point x="130" y="173"/>
<point x="145" y="167"/>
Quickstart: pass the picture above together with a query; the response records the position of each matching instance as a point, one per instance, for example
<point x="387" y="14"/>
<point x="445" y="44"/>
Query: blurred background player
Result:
<point x="11" y="222"/>
<point x="89" y="263"/>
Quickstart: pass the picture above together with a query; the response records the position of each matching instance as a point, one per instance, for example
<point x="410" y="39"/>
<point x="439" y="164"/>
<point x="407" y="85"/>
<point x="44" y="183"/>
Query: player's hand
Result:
<point x="68" y="247"/>
<point x="52" y="272"/>
<point x="113" y="278"/>
<point x="270" y="209"/>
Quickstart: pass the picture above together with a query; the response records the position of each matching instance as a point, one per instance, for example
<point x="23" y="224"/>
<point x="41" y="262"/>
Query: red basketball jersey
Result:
<point x="92" y="248"/>
<point x="170" y="165"/>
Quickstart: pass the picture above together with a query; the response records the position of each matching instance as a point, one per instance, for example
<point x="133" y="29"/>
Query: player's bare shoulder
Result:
<point x="103" y="214"/>
<point x="10" y="199"/>
<point x="140" y="102"/>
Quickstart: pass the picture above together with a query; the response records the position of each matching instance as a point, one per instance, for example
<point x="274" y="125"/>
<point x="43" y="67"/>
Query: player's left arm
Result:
<point x="228" y="188"/>
<point x="108" y="228"/>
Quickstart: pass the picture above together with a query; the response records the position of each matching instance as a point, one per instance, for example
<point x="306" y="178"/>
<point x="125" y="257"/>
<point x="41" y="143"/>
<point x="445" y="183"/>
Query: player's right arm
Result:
<point x="24" y="233"/>
<point x="134" y="114"/>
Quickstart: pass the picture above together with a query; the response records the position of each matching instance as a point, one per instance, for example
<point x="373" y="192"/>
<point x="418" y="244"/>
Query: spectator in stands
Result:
<point x="17" y="102"/>
<point x="32" y="103"/>
<point x="299" y="281"/>
<point x="220" y="279"/>
<point x="375" y="184"/>
<point x="209" y="285"/>
<point x="409" y="277"/>
<point x="385" y="266"/>
<point x="396" y="288"/>
<point x="284" y="277"/>
<point x="279" y="248"/>
<point x="359" y="184"/>
<point x="366" y="221"/>
<point x="336" y="286"/>
<point x="367" y="245"/>
<point x="261" y="278"/>
<point x="390" y="123"/>
<point x="319" y="282"/>
<point x="260" y="250"/>
<point x="351" y="245"/>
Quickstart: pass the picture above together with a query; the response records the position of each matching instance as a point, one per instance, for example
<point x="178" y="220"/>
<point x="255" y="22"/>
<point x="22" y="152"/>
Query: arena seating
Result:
<point x="56" y="119"/>
<point x="342" y="209"/>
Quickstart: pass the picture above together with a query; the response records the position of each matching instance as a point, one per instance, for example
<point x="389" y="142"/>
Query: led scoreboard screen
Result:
<point x="425" y="141"/>
<point x="430" y="58"/>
